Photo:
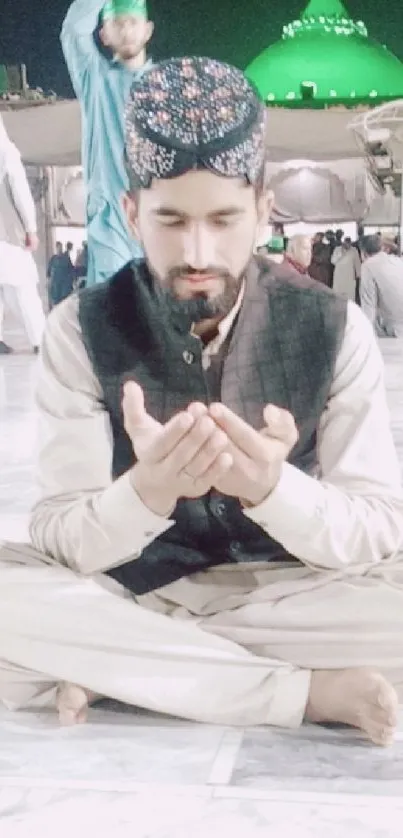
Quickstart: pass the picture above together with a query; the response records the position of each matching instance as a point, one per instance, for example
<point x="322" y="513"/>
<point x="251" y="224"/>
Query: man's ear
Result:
<point x="265" y="203"/>
<point x="149" y="31"/>
<point x="264" y="206"/>
<point x="104" y="36"/>
<point x="130" y="209"/>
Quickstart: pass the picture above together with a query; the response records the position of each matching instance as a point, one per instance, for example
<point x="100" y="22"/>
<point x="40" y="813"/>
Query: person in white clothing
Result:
<point x="382" y="288"/>
<point x="347" y="269"/>
<point x="18" y="240"/>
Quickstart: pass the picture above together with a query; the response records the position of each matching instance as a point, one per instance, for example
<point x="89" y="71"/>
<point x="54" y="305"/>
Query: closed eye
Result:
<point x="172" y="222"/>
<point x="225" y="220"/>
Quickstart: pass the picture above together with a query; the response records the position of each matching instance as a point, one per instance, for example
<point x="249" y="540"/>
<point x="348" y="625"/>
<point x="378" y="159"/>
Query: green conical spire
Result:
<point x="325" y="16"/>
<point x="325" y="8"/>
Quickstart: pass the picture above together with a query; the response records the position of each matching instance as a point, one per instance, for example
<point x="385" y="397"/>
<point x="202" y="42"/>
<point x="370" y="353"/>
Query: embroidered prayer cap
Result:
<point x="120" y="8"/>
<point x="193" y="113"/>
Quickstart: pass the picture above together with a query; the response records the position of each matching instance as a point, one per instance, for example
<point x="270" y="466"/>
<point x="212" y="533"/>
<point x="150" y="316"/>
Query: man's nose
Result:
<point x="126" y="26"/>
<point x="199" y="248"/>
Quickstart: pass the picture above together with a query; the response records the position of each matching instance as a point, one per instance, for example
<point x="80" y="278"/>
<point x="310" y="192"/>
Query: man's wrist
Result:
<point x="261" y="493"/>
<point x="157" y="502"/>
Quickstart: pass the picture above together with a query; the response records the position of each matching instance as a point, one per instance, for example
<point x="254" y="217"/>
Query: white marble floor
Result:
<point x="129" y="773"/>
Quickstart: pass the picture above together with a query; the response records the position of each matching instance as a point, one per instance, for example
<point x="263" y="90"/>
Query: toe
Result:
<point x="385" y="701"/>
<point x="67" y="717"/>
<point x="72" y="705"/>
<point x="383" y="716"/>
<point x="382" y="735"/>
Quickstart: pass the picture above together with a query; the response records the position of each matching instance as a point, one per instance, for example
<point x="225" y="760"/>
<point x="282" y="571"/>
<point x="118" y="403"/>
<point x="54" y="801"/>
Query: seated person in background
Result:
<point x="333" y="239"/>
<point x="273" y="249"/>
<point x="299" y="253"/>
<point x="55" y="266"/>
<point x="81" y="267"/>
<point x="390" y="246"/>
<point x="347" y="269"/>
<point x="62" y="274"/>
<point x="225" y="543"/>
<point x="382" y="288"/>
<point x="360" y="234"/>
<point x="321" y="267"/>
<point x="54" y="260"/>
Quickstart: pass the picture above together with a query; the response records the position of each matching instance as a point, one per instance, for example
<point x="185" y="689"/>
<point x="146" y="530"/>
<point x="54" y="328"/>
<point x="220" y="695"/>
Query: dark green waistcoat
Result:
<point x="282" y="351"/>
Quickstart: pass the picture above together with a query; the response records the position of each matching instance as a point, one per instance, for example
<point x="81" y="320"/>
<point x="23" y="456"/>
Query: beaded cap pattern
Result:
<point x="193" y="113"/>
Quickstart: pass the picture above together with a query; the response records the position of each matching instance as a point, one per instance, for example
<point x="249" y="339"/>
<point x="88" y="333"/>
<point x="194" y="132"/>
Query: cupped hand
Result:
<point x="183" y="458"/>
<point x="257" y="456"/>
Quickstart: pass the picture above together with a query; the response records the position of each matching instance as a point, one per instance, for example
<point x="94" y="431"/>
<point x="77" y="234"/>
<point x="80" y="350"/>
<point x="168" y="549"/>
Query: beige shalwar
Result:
<point x="231" y="646"/>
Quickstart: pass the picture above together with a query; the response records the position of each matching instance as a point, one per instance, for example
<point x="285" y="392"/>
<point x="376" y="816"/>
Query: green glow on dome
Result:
<point x="335" y="53"/>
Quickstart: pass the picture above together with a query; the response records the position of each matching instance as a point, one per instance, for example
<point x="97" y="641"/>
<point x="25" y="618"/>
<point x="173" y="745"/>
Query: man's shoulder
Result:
<point x="359" y="348"/>
<point x="62" y="337"/>
<point x="381" y="265"/>
<point x="307" y="309"/>
<point x="63" y="319"/>
<point x="118" y="302"/>
<point x="397" y="265"/>
<point x="98" y="292"/>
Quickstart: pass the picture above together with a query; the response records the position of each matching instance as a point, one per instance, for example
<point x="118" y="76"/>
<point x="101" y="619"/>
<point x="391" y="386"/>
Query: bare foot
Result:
<point x="358" y="697"/>
<point x="73" y="703"/>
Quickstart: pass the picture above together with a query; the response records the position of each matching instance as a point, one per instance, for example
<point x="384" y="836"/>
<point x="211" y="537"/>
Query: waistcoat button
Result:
<point x="218" y="508"/>
<point x="188" y="357"/>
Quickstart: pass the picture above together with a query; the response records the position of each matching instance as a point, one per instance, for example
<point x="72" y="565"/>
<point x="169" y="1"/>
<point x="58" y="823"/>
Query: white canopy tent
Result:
<point x="47" y="135"/>
<point x="50" y="134"/>
<point x="316" y="167"/>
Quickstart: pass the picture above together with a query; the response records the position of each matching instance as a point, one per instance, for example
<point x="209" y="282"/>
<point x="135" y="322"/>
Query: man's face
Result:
<point x="198" y="233"/>
<point x="126" y="35"/>
<point x="305" y="252"/>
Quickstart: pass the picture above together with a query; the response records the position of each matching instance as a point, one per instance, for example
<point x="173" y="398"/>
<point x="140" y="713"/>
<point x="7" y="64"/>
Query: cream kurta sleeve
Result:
<point x="83" y="519"/>
<point x="352" y="515"/>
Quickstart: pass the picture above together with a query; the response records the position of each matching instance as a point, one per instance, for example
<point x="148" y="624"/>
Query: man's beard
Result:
<point x="126" y="53"/>
<point x="130" y="50"/>
<point x="200" y="306"/>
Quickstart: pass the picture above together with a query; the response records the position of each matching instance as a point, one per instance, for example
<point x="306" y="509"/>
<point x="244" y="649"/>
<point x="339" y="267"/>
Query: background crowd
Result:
<point x="368" y="271"/>
<point x="65" y="275"/>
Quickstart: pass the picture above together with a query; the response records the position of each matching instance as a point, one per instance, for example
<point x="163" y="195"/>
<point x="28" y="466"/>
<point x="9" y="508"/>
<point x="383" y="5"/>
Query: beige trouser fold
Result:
<point x="233" y="646"/>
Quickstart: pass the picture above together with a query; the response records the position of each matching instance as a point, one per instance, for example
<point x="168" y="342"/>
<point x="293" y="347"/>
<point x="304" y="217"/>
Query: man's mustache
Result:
<point x="185" y="271"/>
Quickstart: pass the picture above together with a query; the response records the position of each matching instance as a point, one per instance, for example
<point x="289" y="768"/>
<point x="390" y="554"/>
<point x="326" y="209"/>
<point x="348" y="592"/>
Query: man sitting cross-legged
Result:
<point x="219" y="533"/>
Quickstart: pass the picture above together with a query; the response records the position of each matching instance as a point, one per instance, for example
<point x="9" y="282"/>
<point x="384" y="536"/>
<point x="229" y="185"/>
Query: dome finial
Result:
<point x="325" y="8"/>
<point x="326" y="17"/>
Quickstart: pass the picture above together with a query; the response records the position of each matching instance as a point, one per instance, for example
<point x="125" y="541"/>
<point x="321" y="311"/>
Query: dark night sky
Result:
<point x="233" y="30"/>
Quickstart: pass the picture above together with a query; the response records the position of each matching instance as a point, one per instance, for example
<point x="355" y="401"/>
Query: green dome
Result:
<point x="326" y="58"/>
